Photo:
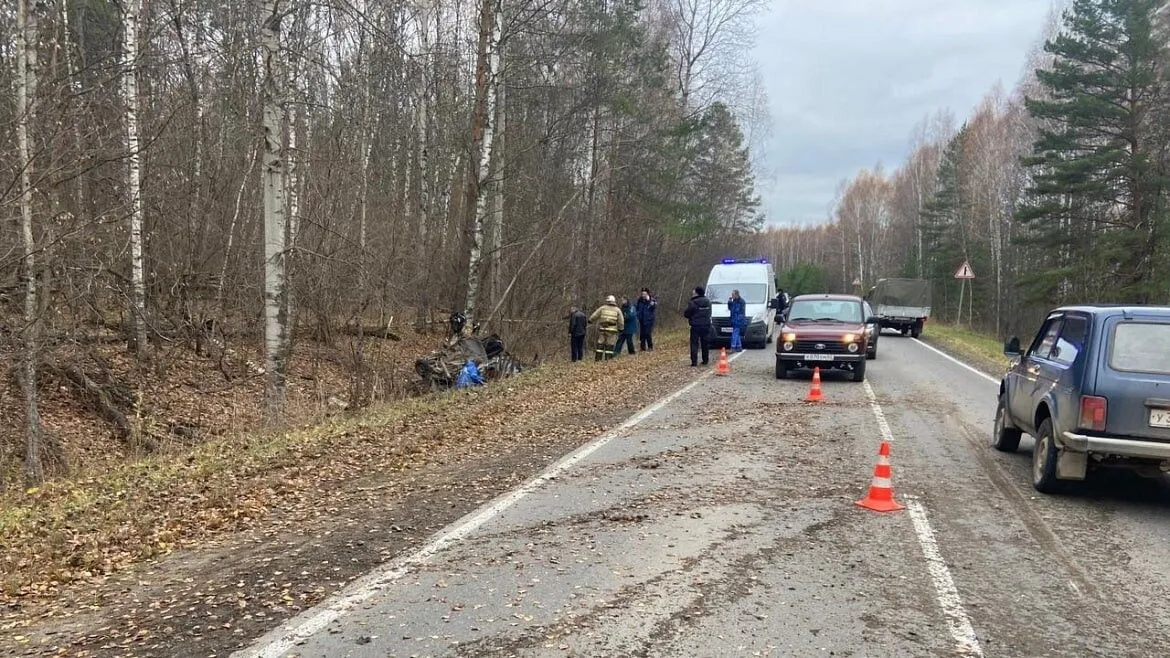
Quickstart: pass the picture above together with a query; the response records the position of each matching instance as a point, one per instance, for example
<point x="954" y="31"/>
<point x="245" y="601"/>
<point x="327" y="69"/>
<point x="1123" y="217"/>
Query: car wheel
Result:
<point x="1044" y="459"/>
<point x="781" y="369"/>
<point x="859" y="371"/>
<point x="1004" y="438"/>
<point x="871" y="354"/>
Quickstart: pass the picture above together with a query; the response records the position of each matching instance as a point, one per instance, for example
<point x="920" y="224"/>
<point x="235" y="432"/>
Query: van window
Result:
<point x="1141" y="347"/>
<point x="752" y="293"/>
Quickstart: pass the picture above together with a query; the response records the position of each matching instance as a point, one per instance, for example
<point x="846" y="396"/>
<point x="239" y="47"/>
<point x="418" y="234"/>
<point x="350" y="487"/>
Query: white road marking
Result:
<point x="284" y="639"/>
<point x="887" y="435"/>
<point x="944" y="585"/>
<point x="1036" y="524"/>
<point x="957" y="362"/>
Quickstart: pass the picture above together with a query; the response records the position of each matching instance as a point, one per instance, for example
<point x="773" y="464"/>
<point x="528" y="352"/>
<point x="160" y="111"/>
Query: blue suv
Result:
<point x="1093" y="389"/>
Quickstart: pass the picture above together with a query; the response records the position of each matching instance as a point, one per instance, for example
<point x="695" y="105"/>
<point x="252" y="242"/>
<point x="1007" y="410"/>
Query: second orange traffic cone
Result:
<point x="881" y="491"/>
<point x="814" y="393"/>
<point x="723" y="367"/>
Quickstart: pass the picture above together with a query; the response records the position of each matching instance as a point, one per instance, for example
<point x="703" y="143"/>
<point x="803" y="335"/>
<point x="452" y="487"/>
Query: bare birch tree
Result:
<point x="130" y="17"/>
<point x="483" y="134"/>
<point x="26" y="94"/>
<point x="276" y="312"/>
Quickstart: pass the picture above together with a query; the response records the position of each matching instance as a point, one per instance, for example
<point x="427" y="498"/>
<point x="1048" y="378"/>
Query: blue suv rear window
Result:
<point x="1141" y="347"/>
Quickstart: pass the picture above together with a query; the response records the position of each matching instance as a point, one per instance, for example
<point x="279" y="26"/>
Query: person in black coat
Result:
<point x="577" y="326"/>
<point x="647" y="310"/>
<point x="698" y="313"/>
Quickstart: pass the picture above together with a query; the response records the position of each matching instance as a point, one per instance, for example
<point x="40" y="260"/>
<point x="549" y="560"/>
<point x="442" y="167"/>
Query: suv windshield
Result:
<point x="825" y="310"/>
<point x="1141" y="347"/>
<point x="752" y="293"/>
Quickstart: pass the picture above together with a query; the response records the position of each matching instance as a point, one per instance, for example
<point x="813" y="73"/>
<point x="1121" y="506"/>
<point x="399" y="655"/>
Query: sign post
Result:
<point x="965" y="274"/>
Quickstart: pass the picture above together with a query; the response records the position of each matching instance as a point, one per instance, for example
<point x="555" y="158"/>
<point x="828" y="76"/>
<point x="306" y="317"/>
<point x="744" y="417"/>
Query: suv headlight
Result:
<point x="849" y="338"/>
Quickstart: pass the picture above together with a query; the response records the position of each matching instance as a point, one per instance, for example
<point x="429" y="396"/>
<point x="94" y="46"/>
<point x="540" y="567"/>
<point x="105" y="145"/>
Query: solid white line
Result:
<point x="944" y="585"/>
<point x="308" y="623"/>
<point x="880" y="415"/>
<point x="957" y="362"/>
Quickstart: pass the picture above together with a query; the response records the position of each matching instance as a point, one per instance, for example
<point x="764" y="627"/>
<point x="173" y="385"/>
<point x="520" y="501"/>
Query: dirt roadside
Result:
<point x="381" y="491"/>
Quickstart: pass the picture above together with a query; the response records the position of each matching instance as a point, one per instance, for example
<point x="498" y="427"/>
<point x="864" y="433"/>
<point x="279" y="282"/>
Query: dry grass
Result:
<point x="101" y="519"/>
<point x="980" y="350"/>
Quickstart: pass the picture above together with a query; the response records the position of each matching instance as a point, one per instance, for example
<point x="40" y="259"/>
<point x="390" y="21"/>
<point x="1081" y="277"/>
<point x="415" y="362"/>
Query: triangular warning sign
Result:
<point x="965" y="271"/>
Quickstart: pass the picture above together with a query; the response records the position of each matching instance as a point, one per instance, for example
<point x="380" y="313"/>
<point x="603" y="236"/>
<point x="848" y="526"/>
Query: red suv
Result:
<point x="826" y="331"/>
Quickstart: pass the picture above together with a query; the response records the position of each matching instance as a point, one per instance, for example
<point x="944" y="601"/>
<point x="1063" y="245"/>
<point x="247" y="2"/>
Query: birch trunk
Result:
<point x="276" y="335"/>
<point x="590" y="219"/>
<point x="483" y="133"/>
<point x="497" y="236"/>
<point x="26" y="90"/>
<point x="134" y="176"/>
<point x="423" y="127"/>
<point x="422" y="156"/>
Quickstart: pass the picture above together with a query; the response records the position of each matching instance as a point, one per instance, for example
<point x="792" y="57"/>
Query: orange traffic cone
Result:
<point x="723" y="367"/>
<point x="814" y="393"/>
<point x="881" y="492"/>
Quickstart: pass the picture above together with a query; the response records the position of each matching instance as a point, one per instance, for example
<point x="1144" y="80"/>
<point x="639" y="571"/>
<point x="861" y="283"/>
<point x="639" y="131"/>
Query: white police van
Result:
<point x="755" y="279"/>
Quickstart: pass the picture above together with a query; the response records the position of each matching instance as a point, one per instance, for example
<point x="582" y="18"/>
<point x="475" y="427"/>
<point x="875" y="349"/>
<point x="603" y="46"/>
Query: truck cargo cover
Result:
<point x="901" y="292"/>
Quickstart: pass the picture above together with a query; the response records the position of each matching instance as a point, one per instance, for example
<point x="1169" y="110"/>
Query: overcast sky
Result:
<point x="847" y="80"/>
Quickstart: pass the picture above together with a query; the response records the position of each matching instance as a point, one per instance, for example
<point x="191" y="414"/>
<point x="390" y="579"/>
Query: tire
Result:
<point x="1003" y="438"/>
<point x="1044" y="460"/>
<point x="916" y="331"/>
<point x="781" y="369"/>
<point x="872" y="354"/>
<point x="859" y="371"/>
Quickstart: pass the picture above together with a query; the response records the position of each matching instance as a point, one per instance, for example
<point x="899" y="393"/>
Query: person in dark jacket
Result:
<point x="577" y="326"/>
<point x="630" y="326"/>
<point x="647" y="308"/>
<point x="698" y="313"/>
<point x="737" y="308"/>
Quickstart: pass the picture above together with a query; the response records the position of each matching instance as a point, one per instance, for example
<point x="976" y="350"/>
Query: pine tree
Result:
<point x="943" y="220"/>
<point x="1097" y="179"/>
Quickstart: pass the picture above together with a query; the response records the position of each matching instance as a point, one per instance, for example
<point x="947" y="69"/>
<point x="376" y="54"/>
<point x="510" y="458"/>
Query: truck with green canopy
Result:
<point x="902" y="304"/>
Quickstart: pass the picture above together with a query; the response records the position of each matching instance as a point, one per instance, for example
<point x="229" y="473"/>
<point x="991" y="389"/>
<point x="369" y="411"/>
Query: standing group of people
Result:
<point x="616" y="326"/>
<point x="698" y="314"/>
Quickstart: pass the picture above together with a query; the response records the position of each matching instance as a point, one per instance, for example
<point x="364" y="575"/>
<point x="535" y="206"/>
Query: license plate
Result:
<point x="818" y="357"/>
<point x="725" y="330"/>
<point x="1160" y="418"/>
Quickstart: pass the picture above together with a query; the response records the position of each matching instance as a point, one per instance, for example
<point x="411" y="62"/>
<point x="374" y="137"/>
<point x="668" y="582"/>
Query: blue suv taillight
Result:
<point x="1094" y="411"/>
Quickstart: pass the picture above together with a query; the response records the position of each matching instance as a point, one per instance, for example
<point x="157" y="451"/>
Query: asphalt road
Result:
<point x="721" y="522"/>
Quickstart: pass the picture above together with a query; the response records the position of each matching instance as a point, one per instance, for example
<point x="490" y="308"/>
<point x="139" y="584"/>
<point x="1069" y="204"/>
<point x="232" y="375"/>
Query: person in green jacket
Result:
<point x="629" y="327"/>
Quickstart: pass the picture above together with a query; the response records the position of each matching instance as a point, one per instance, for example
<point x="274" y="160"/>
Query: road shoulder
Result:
<point x="379" y="491"/>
